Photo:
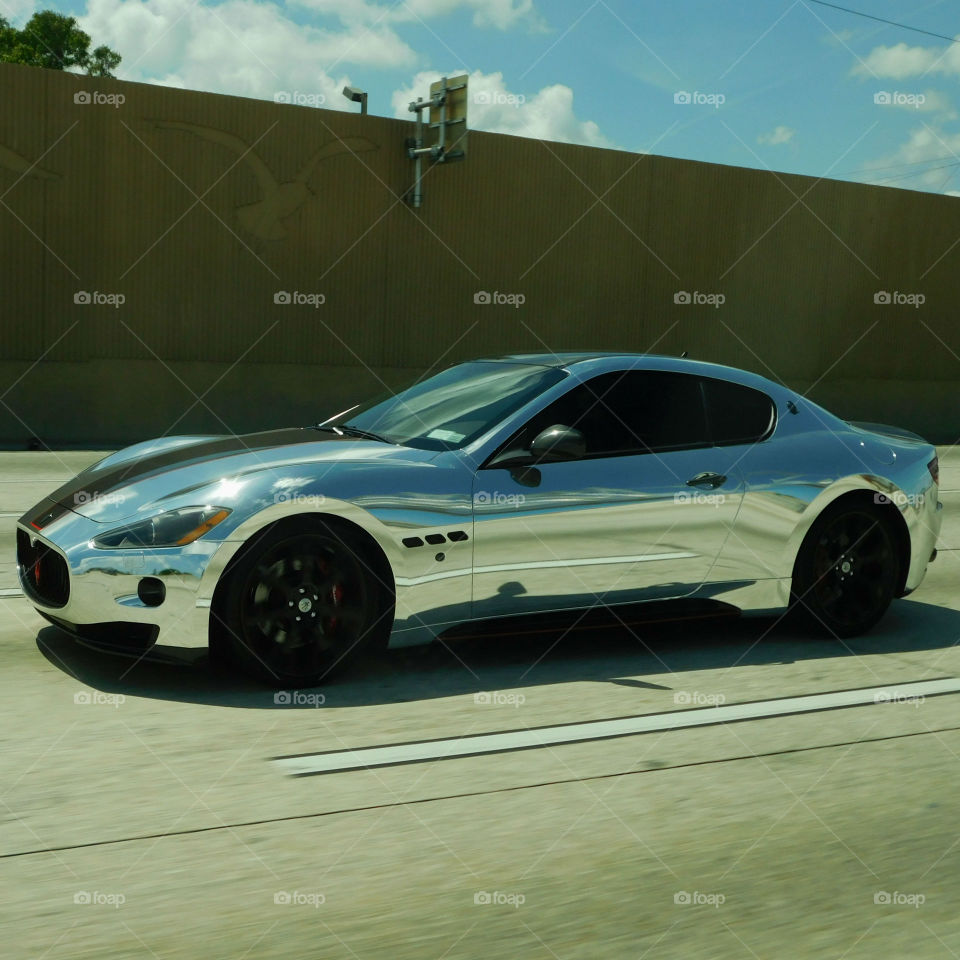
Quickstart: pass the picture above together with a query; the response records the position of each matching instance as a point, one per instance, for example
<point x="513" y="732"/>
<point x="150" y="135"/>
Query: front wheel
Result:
<point x="301" y="601"/>
<point x="847" y="570"/>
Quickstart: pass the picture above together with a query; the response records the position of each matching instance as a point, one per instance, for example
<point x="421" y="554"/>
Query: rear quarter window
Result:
<point x="737" y="414"/>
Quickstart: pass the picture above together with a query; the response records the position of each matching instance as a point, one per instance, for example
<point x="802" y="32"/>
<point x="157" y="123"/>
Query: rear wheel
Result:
<point x="847" y="570"/>
<point x="301" y="601"/>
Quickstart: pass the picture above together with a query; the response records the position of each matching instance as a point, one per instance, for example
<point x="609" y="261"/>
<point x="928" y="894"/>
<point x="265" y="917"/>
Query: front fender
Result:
<point x="433" y="581"/>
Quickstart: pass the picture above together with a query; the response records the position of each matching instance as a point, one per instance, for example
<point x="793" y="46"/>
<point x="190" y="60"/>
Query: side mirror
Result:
<point x="559" y="442"/>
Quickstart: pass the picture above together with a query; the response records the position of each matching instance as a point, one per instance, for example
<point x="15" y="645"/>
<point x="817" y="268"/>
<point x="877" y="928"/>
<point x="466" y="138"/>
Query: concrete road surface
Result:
<point x="149" y="809"/>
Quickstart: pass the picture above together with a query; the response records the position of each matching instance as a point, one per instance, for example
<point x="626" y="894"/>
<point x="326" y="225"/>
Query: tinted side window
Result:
<point x="737" y="414"/>
<point x="640" y="411"/>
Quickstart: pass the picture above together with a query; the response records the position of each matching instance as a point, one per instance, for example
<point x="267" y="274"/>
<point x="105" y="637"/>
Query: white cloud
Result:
<point x="929" y="160"/>
<point x="17" y="12"/>
<point x="935" y="101"/>
<point x="500" y="14"/>
<point x="546" y="115"/>
<point x="924" y="101"/>
<point x="901" y="61"/>
<point x="777" y="135"/>
<point x="926" y="143"/>
<point x="839" y="38"/>
<point x="241" y="47"/>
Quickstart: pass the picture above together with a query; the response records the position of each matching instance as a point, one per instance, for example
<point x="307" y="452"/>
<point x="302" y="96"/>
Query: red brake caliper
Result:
<point x="336" y="595"/>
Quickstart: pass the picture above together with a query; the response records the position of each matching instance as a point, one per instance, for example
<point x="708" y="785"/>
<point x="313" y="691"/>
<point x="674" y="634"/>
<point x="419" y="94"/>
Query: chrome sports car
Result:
<point x="497" y="487"/>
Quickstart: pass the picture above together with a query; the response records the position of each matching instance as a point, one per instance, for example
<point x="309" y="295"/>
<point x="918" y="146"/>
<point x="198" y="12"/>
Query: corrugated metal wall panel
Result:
<point x="24" y="186"/>
<point x="199" y="208"/>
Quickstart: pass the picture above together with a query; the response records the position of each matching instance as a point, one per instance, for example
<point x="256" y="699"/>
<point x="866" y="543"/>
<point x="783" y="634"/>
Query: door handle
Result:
<point x="707" y="479"/>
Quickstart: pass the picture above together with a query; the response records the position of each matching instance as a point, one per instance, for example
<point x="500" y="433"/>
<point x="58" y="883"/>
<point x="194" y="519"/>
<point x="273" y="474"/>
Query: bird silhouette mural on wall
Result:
<point x="264" y="218"/>
<point x="13" y="161"/>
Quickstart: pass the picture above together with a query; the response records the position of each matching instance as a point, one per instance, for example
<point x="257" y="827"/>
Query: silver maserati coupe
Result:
<point x="498" y="487"/>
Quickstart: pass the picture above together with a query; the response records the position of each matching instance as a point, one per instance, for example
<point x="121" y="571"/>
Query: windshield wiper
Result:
<point x="345" y="430"/>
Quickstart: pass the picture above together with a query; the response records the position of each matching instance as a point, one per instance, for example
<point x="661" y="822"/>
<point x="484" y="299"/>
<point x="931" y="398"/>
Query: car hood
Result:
<point x="125" y="484"/>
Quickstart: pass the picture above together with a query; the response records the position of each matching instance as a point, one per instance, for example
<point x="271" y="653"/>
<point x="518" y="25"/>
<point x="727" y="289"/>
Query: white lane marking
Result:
<point x="339" y="760"/>
<point x="11" y="592"/>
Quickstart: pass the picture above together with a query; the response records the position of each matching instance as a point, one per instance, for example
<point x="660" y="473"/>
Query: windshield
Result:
<point x="452" y="408"/>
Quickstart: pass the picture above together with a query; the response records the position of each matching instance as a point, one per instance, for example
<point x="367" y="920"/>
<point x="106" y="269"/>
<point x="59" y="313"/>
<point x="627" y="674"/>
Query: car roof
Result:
<point x="566" y="359"/>
<point x="601" y="362"/>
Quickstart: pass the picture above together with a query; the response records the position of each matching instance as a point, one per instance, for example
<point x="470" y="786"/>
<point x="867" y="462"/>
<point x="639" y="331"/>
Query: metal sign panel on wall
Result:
<point x="451" y="116"/>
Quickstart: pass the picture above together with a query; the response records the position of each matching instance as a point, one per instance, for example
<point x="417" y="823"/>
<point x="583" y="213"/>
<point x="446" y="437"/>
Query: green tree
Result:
<point x="8" y="38"/>
<point x="102" y="62"/>
<point x="49" y="39"/>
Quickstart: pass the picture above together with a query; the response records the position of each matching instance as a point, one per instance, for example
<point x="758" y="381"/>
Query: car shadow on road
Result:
<point x="604" y="647"/>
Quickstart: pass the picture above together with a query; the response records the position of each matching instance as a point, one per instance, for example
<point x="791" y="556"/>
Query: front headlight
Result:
<point x="175" y="528"/>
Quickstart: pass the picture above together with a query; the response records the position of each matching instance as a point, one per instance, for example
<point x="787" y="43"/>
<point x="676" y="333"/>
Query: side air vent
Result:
<point x="435" y="539"/>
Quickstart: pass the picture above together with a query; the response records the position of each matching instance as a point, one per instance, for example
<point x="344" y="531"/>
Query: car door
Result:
<point x="641" y="515"/>
<point x="743" y="420"/>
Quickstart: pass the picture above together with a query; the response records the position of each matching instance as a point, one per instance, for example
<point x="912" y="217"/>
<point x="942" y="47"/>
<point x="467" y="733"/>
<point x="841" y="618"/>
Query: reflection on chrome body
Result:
<point x="557" y="535"/>
<point x="580" y="543"/>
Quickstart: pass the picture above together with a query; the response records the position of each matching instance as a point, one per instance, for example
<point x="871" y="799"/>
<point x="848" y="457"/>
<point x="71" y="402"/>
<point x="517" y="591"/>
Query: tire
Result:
<point x="847" y="570"/>
<point x="303" y="599"/>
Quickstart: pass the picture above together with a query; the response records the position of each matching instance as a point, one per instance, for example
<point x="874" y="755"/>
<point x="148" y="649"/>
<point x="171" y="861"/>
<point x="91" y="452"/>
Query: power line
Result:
<point x="898" y="166"/>
<point x="917" y="173"/>
<point x="891" y="23"/>
<point x="950" y="176"/>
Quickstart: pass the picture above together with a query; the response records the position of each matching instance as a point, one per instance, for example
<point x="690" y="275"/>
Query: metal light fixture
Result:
<point x="357" y="96"/>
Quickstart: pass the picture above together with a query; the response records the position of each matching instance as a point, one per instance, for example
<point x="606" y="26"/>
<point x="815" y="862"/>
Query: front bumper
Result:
<point x="96" y="594"/>
<point x="124" y="637"/>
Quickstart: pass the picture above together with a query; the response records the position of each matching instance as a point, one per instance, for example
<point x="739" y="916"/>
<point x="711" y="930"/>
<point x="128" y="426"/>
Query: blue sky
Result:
<point x="785" y="84"/>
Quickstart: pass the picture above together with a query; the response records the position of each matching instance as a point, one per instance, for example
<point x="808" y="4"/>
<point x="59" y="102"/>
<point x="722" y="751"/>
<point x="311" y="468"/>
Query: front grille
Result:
<point x="43" y="572"/>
